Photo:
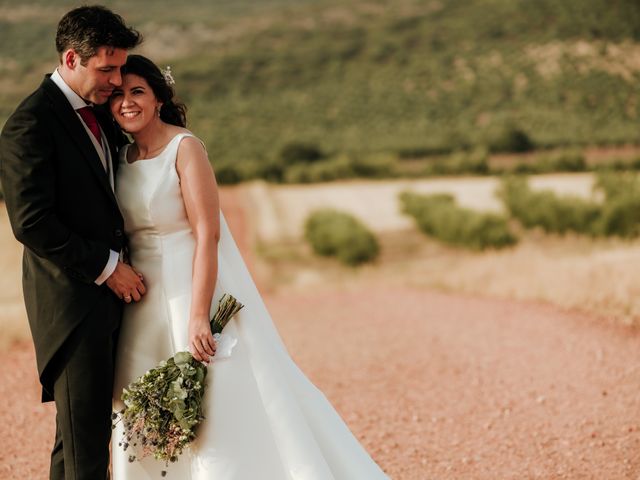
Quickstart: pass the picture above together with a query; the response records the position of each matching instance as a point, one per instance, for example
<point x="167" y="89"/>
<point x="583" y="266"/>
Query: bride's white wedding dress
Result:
<point x="264" y="419"/>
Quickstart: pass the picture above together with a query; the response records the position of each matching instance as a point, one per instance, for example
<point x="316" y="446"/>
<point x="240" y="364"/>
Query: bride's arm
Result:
<point x="200" y="194"/>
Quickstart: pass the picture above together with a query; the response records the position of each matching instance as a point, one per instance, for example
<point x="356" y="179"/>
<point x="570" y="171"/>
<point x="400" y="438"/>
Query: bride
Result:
<point x="264" y="419"/>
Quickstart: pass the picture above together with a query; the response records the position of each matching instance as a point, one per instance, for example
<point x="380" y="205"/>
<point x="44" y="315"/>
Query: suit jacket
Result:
<point x="63" y="210"/>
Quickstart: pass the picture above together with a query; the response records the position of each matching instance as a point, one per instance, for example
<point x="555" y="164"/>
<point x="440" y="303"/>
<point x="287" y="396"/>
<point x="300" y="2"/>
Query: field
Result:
<point x="407" y="79"/>
<point x="568" y="271"/>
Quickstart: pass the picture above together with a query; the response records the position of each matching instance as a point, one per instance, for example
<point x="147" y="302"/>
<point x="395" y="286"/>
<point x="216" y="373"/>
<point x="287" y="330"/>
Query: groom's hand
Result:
<point x="126" y="283"/>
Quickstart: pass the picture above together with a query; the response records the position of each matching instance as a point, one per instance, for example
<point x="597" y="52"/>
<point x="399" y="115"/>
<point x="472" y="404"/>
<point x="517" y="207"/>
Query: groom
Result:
<point x="57" y="164"/>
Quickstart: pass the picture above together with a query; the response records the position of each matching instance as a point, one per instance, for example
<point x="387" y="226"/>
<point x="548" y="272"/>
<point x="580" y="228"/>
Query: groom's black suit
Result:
<point x="63" y="210"/>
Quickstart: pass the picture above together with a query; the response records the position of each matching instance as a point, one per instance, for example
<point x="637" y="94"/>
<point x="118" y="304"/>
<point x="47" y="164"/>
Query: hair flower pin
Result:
<point x="166" y="73"/>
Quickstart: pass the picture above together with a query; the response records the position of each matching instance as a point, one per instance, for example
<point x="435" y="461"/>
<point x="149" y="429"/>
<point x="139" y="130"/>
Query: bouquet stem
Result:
<point x="228" y="306"/>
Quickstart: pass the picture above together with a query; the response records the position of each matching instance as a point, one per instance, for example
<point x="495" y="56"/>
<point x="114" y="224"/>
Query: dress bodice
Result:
<point x="150" y="198"/>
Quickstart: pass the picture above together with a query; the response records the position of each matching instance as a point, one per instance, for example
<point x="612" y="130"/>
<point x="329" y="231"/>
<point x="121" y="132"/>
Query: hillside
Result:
<point x="406" y="78"/>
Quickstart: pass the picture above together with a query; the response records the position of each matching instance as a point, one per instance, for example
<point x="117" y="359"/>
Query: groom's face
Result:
<point x="95" y="80"/>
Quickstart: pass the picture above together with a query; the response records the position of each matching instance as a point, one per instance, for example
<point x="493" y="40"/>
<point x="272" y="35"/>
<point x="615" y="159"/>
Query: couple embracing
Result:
<point x="125" y="253"/>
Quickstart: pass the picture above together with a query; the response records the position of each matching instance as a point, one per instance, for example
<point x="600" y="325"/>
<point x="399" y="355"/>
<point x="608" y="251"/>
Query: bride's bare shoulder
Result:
<point x="191" y="148"/>
<point x="173" y="130"/>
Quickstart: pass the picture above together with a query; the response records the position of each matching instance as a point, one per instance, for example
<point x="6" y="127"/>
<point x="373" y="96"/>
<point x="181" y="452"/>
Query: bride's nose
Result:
<point x="126" y="100"/>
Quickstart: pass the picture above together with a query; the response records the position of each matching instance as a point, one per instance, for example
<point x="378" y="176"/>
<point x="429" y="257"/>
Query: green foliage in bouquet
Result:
<point x="334" y="233"/>
<point x="164" y="406"/>
<point x="439" y="216"/>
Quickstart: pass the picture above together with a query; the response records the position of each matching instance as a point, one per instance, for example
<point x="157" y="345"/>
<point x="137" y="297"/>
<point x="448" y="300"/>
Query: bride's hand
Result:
<point x="201" y="341"/>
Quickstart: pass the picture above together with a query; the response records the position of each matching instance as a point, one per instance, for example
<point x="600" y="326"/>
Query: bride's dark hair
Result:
<point x="171" y="111"/>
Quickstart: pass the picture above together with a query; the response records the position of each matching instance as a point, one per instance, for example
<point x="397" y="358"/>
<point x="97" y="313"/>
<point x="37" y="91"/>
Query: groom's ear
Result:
<point x="70" y="59"/>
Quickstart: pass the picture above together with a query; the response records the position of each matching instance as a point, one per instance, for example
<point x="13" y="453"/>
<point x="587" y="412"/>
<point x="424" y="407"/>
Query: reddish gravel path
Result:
<point x="434" y="385"/>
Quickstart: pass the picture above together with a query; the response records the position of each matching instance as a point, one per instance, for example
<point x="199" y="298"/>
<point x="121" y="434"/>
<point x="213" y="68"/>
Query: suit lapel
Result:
<point x="77" y="134"/>
<point x="111" y="131"/>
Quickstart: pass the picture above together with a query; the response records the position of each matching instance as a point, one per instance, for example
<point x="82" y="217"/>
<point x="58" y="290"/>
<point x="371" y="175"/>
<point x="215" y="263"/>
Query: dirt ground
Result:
<point x="436" y="386"/>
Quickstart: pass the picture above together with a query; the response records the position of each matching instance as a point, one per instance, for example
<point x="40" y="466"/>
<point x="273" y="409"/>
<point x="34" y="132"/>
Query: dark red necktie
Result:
<point x="91" y="121"/>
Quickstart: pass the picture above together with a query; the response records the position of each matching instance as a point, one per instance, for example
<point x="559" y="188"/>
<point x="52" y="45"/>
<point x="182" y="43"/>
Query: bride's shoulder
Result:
<point x="191" y="141"/>
<point x="191" y="148"/>
<point x="185" y="135"/>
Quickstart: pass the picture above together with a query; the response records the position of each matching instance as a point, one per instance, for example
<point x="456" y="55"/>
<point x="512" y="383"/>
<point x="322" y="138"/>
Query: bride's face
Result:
<point x="134" y="105"/>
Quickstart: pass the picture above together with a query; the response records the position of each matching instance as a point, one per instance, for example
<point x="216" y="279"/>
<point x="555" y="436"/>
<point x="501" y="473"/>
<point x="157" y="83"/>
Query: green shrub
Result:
<point x="269" y="170"/>
<point x="342" y="166"/>
<point x="373" y="166"/>
<point x="438" y="216"/>
<point x="527" y="168"/>
<point x="621" y="210"/>
<point x="635" y="164"/>
<point x="475" y="162"/>
<point x="563" y="161"/>
<point x="411" y="153"/>
<point x="338" y="234"/>
<point x="300" y="152"/>
<point x="324" y="171"/>
<point x="548" y="211"/>
<point x="615" y="165"/>
<point x="617" y="184"/>
<point x="228" y="173"/>
<point x="511" y="139"/>
<point x="620" y="216"/>
<point x="559" y="161"/>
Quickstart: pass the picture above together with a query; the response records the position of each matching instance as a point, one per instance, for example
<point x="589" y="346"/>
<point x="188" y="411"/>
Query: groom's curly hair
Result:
<point x="85" y="29"/>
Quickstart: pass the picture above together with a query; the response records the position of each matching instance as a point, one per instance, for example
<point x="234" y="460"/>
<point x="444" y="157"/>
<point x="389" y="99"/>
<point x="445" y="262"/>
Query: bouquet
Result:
<point x="164" y="406"/>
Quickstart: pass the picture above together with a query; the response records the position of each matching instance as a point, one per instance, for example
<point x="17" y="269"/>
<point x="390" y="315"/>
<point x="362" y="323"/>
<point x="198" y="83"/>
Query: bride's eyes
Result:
<point x="120" y="93"/>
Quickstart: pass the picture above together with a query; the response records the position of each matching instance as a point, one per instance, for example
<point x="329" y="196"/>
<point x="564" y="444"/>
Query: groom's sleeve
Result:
<point x="28" y="180"/>
<point x="109" y="268"/>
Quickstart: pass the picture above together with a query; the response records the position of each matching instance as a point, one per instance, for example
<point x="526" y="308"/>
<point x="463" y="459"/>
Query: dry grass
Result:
<point x="595" y="277"/>
<point x="13" y="319"/>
